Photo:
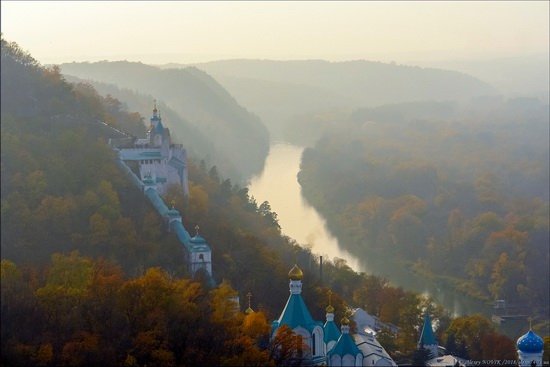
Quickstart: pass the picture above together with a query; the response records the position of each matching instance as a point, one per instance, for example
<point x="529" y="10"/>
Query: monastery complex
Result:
<point x="155" y="163"/>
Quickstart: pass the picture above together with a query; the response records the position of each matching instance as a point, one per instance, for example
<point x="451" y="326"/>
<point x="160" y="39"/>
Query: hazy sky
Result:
<point x="188" y="31"/>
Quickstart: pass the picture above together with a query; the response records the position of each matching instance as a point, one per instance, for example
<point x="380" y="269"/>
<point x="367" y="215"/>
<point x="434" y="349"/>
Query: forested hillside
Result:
<point x="198" y="99"/>
<point x="460" y="192"/>
<point x="89" y="275"/>
<point x="297" y="87"/>
<point x="196" y="143"/>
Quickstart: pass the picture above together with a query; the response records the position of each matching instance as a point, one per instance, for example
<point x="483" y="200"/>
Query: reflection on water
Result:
<point x="279" y="186"/>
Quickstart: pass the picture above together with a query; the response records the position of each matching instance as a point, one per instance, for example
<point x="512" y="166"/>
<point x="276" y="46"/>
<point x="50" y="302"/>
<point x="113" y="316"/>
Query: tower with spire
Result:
<point x="199" y="255"/>
<point x="427" y="337"/>
<point x="249" y="310"/>
<point x="326" y="343"/>
<point x="156" y="156"/>
<point x="345" y="352"/>
<point x="297" y="317"/>
<point x="331" y="330"/>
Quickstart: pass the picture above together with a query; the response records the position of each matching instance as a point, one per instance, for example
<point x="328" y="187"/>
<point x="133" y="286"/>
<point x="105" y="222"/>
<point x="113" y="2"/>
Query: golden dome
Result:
<point x="330" y="309"/>
<point x="248" y="311"/>
<point x="295" y="273"/>
<point x="345" y="321"/>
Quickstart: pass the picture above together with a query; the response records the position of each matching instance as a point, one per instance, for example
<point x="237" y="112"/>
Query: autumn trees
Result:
<point x="116" y="290"/>
<point x="90" y="276"/>
<point x="462" y="196"/>
<point x="84" y="311"/>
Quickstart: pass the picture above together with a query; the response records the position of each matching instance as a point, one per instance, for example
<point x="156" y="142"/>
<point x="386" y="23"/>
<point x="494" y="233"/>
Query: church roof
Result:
<point x="173" y="213"/>
<point x="296" y="314"/>
<point x="331" y="331"/>
<point x="197" y="239"/>
<point x="530" y="343"/>
<point x="198" y="244"/>
<point x="183" y="235"/>
<point x="159" y="129"/>
<point x="148" y="180"/>
<point x="345" y="345"/>
<point x="427" y="337"/>
<point x="369" y="346"/>
<point x="137" y="154"/>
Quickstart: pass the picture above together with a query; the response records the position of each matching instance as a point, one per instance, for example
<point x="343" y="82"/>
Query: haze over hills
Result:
<point x="196" y="97"/>
<point x="303" y="86"/>
<point x="198" y="145"/>
<point x="525" y="75"/>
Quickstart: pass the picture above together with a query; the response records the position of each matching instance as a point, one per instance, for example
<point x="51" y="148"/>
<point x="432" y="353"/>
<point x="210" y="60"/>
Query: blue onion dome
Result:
<point x="173" y="212"/>
<point x="197" y="239"/>
<point x="530" y="343"/>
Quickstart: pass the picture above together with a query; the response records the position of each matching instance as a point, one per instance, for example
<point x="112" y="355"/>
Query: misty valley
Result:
<point x="370" y="165"/>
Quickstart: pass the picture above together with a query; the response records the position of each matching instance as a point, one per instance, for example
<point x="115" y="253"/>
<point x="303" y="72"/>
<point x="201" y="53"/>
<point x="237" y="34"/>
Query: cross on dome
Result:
<point x="249" y="310"/>
<point x="329" y="309"/>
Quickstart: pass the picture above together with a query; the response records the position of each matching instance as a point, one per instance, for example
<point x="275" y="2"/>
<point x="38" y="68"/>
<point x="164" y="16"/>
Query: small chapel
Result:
<point x="326" y="344"/>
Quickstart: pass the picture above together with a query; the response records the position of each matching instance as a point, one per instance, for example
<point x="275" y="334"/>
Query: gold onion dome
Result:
<point x="295" y="273"/>
<point x="329" y="309"/>
<point x="345" y="321"/>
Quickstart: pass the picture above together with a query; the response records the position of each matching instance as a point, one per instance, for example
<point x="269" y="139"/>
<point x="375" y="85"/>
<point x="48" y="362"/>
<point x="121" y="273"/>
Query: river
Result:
<point x="278" y="184"/>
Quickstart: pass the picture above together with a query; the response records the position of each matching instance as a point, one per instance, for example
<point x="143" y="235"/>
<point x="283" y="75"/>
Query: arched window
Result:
<point x="201" y="257"/>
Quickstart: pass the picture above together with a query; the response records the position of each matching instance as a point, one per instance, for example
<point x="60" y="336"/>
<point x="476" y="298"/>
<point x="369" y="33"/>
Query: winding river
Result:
<point x="279" y="186"/>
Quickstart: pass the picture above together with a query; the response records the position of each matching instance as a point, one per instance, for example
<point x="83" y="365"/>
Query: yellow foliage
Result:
<point x="255" y="325"/>
<point x="198" y="200"/>
<point x="44" y="354"/>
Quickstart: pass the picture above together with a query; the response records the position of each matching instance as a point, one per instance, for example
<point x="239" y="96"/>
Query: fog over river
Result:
<point x="278" y="185"/>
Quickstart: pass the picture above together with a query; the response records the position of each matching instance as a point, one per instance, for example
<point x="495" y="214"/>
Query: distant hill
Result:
<point x="445" y="187"/>
<point x="526" y="75"/>
<point x="278" y="90"/>
<point x="197" y="98"/>
<point x="198" y="146"/>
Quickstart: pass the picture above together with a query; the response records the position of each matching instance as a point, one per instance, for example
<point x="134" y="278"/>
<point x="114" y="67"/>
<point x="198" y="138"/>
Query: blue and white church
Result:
<point x="153" y="164"/>
<point x="156" y="156"/>
<point x="326" y="345"/>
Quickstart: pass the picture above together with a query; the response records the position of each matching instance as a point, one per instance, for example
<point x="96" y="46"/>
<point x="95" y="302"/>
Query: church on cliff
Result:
<point x="154" y="163"/>
<point x="157" y="157"/>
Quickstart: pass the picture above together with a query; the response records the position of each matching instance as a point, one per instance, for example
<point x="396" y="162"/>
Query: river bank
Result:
<point x="278" y="184"/>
